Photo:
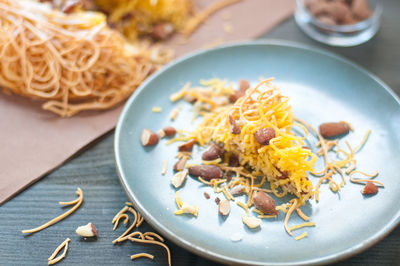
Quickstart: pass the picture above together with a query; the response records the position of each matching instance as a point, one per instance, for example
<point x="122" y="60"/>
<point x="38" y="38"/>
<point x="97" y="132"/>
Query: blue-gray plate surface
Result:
<point x="323" y="87"/>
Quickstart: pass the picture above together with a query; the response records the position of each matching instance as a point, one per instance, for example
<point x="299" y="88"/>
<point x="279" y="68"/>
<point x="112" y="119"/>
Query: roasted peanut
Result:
<point x="264" y="203"/>
<point x="251" y="221"/>
<point x="162" y="31"/>
<point x="234" y="160"/>
<point x="212" y="153"/>
<point x="187" y="146"/>
<point x="326" y="20"/>
<point x="178" y="179"/>
<point x="233" y="126"/>
<point x="349" y="19"/>
<point x="70" y="6"/>
<point x="217" y="200"/>
<point x="264" y="135"/>
<point x="236" y="95"/>
<point x="88" y="230"/>
<point x="169" y="131"/>
<point x="207" y="172"/>
<point x="238" y="189"/>
<point x="180" y="165"/>
<point x="224" y="207"/>
<point x="148" y="138"/>
<point x="338" y="11"/>
<point x="284" y="174"/>
<point x="370" y="188"/>
<point x="189" y="98"/>
<point x="244" y="85"/>
<point x="361" y="9"/>
<point x="333" y="129"/>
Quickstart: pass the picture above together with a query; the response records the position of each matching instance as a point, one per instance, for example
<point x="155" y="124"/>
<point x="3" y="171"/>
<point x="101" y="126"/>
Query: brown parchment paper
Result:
<point x="33" y="142"/>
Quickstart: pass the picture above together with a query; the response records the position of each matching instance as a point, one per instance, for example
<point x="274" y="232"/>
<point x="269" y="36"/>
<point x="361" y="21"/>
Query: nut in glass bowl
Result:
<point x="339" y="22"/>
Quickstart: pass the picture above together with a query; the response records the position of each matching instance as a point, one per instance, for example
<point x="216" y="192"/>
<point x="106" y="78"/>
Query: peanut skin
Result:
<point x="233" y="126"/>
<point x="212" y="153"/>
<point x="243" y="86"/>
<point x="207" y="172"/>
<point x="264" y="135"/>
<point x="370" y="189"/>
<point x="169" y="131"/>
<point x="180" y="165"/>
<point x="187" y="146"/>
<point x="148" y="138"/>
<point x="333" y="129"/>
<point x="234" y="160"/>
<point x="264" y="203"/>
<point x="162" y="31"/>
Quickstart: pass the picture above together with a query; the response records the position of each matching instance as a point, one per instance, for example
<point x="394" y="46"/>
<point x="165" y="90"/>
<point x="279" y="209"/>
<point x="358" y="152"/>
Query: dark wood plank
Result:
<point x="94" y="172"/>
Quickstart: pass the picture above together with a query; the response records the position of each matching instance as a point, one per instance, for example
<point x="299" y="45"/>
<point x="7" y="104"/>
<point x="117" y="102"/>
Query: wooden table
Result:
<point x="94" y="171"/>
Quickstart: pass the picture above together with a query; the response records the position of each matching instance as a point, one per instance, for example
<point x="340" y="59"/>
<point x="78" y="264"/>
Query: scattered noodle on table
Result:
<point x="136" y="236"/>
<point x="76" y="204"/>
<point x="53" y="259"/>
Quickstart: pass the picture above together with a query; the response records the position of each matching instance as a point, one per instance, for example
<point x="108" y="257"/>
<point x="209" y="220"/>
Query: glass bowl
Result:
<point x="339" y="35"/>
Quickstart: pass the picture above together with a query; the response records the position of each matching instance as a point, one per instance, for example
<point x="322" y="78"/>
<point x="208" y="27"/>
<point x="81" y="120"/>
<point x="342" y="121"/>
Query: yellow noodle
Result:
<point x="59" y="218"/>
<point x="52" y="259"/>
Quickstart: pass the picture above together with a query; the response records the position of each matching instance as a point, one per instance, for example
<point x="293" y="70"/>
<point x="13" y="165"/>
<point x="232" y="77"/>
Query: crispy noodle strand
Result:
<point x="62" y="216"/>
<point x="365" y="180"/>
<point x="52" y="259"/>
<point x="73" y="62"/>
<point x="155" y="243"/>
<point x="287" y="217"/>
<point x="126" y="220"/>
<point x="132" y="211"/>
<point x="147" y="237"/>
<point x="142" y="255"/>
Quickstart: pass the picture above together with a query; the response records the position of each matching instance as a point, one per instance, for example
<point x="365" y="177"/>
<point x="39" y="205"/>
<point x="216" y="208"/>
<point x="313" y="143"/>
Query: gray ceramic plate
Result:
<point x="323" y="87"/>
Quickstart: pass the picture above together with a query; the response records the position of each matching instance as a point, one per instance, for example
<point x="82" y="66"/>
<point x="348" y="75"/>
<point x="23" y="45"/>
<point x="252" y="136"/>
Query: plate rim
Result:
<point x="362" y="246"/>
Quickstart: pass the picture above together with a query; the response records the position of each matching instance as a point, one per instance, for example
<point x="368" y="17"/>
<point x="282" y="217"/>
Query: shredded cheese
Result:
<point x="266" y="216"/>
<point x="216" y="161"/>
<point x="302" y="215"/>
<point x="183" y="207"/>
<point x="303" y="235"/>
<point x="174" y="114"/>
<point x="180" y="94"/>
<point x="164" y="169"/>
<point x="241" y="204"/>
<point x="295" y="227"/>
<point x="287" y="217"/>
<point x="156" y="109"/>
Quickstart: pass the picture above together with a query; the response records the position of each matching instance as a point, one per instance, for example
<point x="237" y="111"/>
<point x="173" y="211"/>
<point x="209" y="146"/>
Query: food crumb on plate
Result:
<point x="157" y="109"/>
<point x="236" y="237"/>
